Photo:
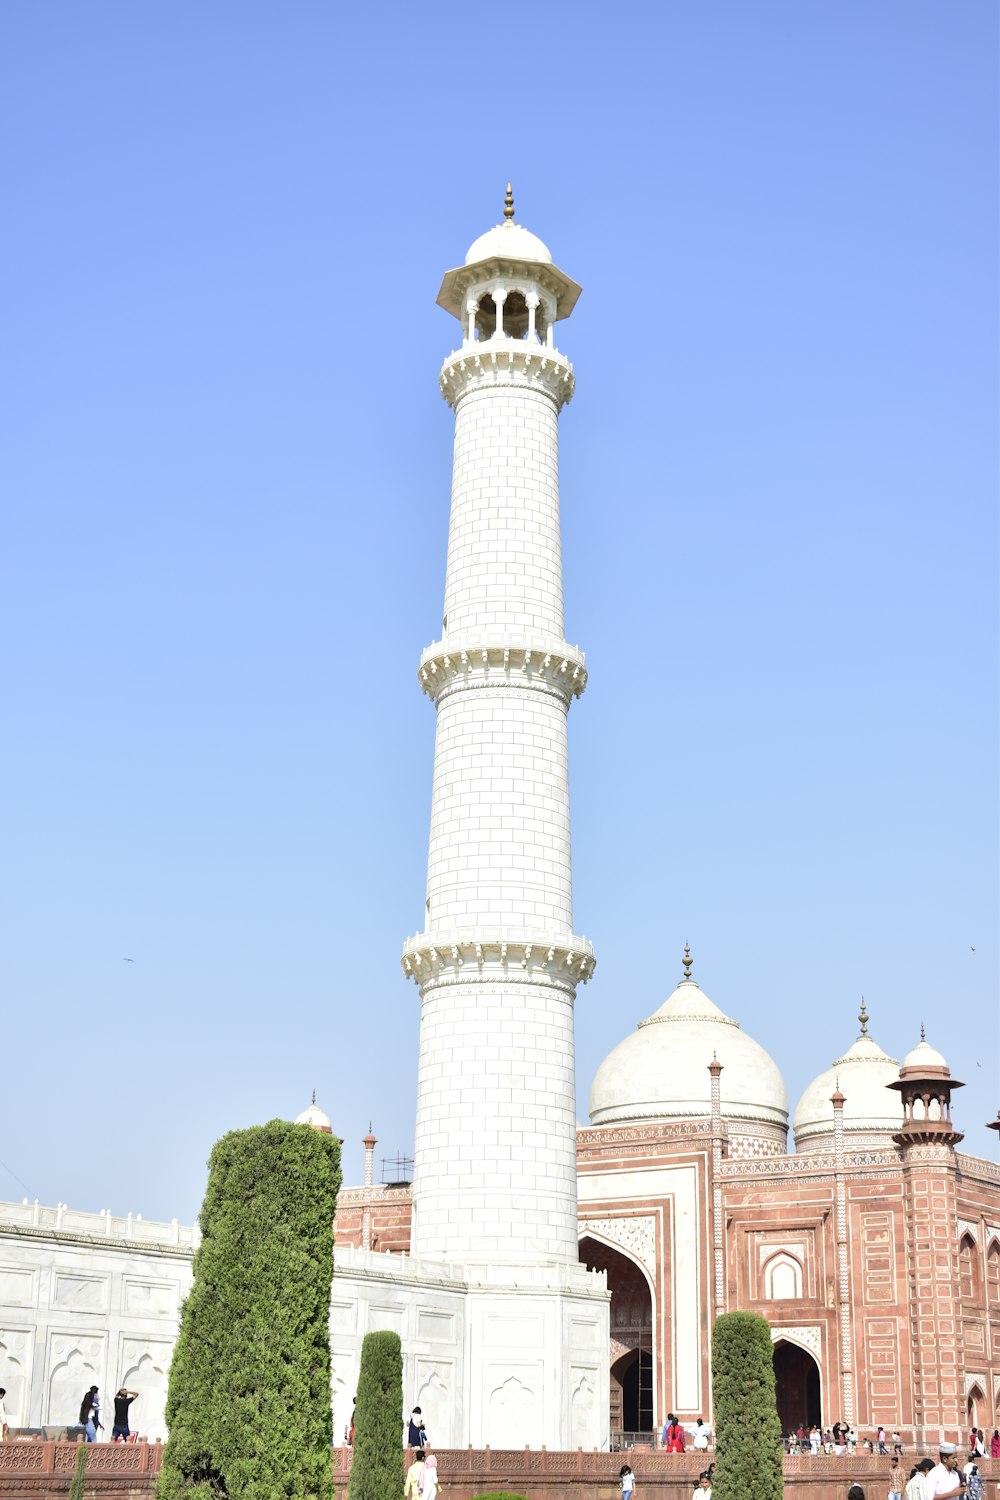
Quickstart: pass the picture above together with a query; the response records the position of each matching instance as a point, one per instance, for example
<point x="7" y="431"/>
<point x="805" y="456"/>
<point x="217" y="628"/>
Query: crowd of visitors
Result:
<point x="948" y="1479"/>
<point x="841" y="1438"/>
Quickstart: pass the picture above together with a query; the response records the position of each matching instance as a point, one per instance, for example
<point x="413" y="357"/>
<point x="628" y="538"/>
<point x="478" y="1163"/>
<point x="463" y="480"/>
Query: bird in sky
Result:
<point x="128" y="960"/>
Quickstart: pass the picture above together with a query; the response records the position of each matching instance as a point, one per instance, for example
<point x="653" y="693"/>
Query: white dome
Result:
<point x="863" y="1075"/>
<point x="315" y="1117"/>
<point x="924" y="1055"/>
<point x="510" y="241"/>
<point x="661" y="1070"/>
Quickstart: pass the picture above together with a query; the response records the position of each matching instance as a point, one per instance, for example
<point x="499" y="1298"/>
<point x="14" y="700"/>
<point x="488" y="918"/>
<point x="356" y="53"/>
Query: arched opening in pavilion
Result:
<point x="631" y="1353"/>
<point x="797" y="1387"/>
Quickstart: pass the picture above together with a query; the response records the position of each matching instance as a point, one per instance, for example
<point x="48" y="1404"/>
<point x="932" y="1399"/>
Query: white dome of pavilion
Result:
<point x="871" y="1108"/>
<point x="508" y="240"/>
<point x="511" y="242"/>
<point x="315" y="1117"/>
<point x="661" y="1070"/>
<point x="923" y="1055"/>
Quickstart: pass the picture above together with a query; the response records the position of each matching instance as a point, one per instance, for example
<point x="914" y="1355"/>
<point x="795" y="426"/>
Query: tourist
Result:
<point x="880" y="1439"/>
<point x="703" y="1489"/>
<point x="995" y="1443"/>
<point x="673" y="1435"/>
<point x="945" y="1480"/>
<point x="4" y="1429"/>
<point x="414" y="1438"/>
<point x="90" y="1414"/>
<point x="815" y="1438"/>
<point x="123" y="1400"/>
<point x="916" y="1485"/>
<point x="852" y="1439"/>
<point x="897" y="1446"/>
<point x="855" y="1493"/>
<point x="895" y="1480"/>
<point x="700" y="1439"/>
<point x="429" y="1485"/>
<point x="973" y="1481"/>
<point x="414" y="1474"/>
<point x="627" y="1479"/>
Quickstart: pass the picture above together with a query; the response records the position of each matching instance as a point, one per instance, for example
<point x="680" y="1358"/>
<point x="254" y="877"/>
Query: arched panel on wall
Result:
<point x="13" y="1375"/>
<point x="75" y="1372"/>
<point x="993" y="1273"/>
<point x="782" y="1277"/>
<point x="976" y="1407"/>
<point x="147" y="1374"/>
<point x="968" y="1269"/>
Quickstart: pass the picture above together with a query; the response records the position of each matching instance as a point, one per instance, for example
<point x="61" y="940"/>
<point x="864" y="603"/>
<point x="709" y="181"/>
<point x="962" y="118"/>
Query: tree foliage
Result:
<point x="248" y="1401"/>
<point x="377" y="1459"/>
<point x="76" y="1484"/>
<point x="747" y="1430"/>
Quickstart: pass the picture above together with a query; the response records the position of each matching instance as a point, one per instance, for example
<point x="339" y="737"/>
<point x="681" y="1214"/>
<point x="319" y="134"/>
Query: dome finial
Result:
<point x="508" y="203"/>
<point x="863" y="1017"/>
<point x="687" y="961"/>
<point x="923" y="1034"/>
<point x="314" y="1096"/>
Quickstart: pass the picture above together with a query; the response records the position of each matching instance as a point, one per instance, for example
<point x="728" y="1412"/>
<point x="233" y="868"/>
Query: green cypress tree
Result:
<point x="79" y="1473"/>
<point x="248" y="1401"/>
<point x="377" y="1459"/>
<point x="747" y="1430"/>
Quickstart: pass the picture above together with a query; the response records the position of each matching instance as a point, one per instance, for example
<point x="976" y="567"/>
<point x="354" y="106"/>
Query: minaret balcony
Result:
<point x="501" y="361"/>
<point x="551" y="667"/>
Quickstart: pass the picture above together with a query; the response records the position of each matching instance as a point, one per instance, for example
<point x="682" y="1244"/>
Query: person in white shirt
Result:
<point x="703" y="1489"/>
<point x="700" y="1439"/>
<point x="945" y="1480"/>
<point x="916" y="1487"/>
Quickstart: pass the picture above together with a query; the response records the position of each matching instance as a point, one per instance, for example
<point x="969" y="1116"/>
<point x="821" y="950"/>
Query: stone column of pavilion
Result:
<point x="498" y="963"/>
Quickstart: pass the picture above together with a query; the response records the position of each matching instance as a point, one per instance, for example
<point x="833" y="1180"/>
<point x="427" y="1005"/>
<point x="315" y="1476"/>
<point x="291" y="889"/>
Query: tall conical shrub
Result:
<point x="747" y="1430"/>
<point x="248" y="1402"/>
<point x="377" y="1459"/>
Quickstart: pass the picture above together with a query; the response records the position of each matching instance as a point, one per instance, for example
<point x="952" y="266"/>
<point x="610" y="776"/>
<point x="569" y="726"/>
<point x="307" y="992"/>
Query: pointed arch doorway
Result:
<point x="631" y="1354"/>
<point x="797" y="1387"/>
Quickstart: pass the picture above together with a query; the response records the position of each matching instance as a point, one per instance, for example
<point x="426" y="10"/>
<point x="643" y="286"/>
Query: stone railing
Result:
<point x="30" y="1457"/>
<point x="118" y="1471"/>
<point x="34" y="1218"/>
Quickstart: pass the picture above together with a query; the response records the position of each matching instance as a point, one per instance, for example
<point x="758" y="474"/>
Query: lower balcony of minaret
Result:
<point x="441" y="958"/>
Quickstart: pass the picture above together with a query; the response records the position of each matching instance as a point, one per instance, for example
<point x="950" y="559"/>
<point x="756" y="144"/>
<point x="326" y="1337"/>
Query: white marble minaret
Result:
<point x="498" y="963"/>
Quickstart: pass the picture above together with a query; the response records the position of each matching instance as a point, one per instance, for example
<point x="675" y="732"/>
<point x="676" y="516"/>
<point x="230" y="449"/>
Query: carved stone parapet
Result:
<point x="480" y="957"/>
<point x="503" y="361"/>
<point x="550" y="667"/>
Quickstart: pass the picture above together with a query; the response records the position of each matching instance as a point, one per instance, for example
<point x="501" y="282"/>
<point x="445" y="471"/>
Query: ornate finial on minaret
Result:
<point x="508" y="203"/>
<point x="863" y="1017"/>
<point x="314" y="1096"/>
<point x="687" y="961"/>
<point x="923" y="1035"/>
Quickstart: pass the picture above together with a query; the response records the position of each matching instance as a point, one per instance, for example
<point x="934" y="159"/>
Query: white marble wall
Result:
<point x="88" y="1299"/>
<point x="79" y="1307"/>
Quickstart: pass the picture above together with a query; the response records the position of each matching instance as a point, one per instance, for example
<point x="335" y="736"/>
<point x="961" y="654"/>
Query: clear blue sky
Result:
<point x="225" y="470"/>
